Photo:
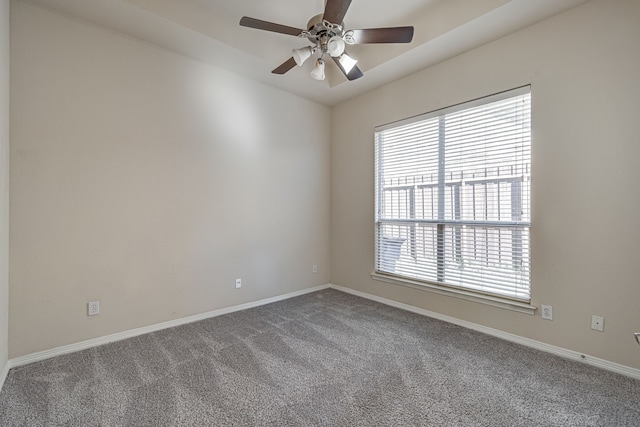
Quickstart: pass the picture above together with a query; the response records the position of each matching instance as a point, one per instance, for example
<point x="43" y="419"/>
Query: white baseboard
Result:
<point x="83" y="345"/>
<point x="558" y="351"/>
<point x="3" y="374"/>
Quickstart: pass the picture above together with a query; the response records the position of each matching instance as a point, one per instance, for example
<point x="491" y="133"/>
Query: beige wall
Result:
<point x="4" y="182"/>
<point x="149" y="181"/>
<point x="584" y="67"/>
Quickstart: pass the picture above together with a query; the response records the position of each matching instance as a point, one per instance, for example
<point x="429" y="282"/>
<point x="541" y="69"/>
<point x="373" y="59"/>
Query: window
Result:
<point x="453" y="196"/>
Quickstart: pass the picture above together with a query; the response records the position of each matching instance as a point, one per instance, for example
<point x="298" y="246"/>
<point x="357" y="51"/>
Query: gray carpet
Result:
<point x="326" y="358"/>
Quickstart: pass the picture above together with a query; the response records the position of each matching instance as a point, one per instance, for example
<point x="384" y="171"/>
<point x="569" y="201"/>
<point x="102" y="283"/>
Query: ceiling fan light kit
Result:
<point x="326" y="32"/>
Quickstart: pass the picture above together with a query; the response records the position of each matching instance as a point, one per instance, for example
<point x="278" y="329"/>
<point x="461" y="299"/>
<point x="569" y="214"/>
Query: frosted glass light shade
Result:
<point x="347" y="62"/>
<point x="335" y="46"/>
<point x="318" y="71"/>
<point x="302" y="54"/>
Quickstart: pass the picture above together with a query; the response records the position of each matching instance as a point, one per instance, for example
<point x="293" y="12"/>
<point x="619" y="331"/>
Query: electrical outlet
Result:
<point x="238" y="283"/>
<point x="314" y="269"/>
<point x="547" y="312"/>
<point x="597" y="323"/>
<point x="93" y="308"/>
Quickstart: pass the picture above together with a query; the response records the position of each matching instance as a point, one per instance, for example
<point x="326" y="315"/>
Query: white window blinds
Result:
<point x="453" y="196"/>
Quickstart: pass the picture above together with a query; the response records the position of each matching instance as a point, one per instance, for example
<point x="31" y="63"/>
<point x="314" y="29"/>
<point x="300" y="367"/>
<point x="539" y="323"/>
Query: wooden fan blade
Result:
<point x="285" y="66"/>
<point x="355" y="72"/>
<point x="383" y="35"/>
<point x="335" y="10"/>
<point x="269" y="26"/>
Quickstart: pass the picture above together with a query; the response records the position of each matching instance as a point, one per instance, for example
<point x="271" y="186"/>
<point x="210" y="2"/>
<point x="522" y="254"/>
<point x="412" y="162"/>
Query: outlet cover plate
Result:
<point x="597" y="323"/>
<point x="547" y="312"/>
<point x="93" y="308"/>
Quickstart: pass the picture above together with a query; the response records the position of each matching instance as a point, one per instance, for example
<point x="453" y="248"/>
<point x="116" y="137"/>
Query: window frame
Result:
<point x="518" y="304"/>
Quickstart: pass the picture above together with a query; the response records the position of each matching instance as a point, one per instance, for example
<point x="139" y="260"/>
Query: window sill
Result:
<point x="504" y="303"/>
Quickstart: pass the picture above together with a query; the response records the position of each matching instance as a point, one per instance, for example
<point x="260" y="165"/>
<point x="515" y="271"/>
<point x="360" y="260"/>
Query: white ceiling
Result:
<point x="208" y="30"/>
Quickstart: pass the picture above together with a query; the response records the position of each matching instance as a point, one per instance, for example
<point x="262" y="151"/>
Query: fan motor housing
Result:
<point x="317" y="29"/>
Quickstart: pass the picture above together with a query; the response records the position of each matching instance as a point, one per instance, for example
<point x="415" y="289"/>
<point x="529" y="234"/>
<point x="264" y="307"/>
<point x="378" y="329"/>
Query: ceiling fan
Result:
<point x="328" y="35"/>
